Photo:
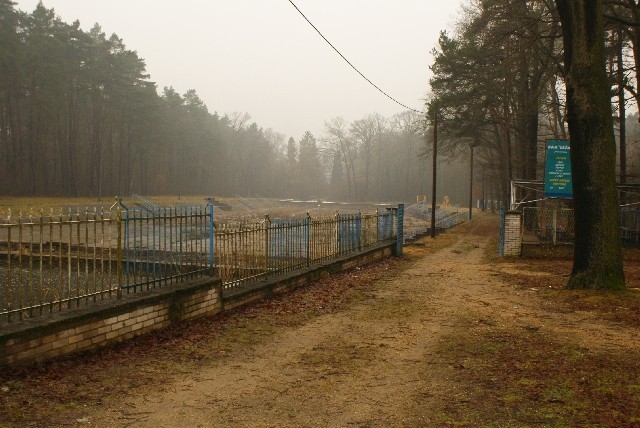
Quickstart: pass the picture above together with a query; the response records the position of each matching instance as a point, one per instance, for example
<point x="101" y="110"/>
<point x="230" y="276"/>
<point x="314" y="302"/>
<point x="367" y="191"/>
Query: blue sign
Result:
<point x="557" y="170"/>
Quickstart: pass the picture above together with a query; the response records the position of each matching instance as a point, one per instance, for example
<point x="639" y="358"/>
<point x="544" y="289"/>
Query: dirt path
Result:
<point x="372" y="364"/>
<point x="448" y="339"/>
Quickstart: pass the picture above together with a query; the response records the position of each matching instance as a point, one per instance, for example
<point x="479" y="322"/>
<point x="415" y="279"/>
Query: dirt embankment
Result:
<point x="445" y="336"/>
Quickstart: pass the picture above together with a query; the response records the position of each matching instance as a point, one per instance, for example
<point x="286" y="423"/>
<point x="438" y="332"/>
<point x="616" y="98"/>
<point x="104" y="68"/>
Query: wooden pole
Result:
<point x="435" y="157"/>
<point x="471" y="186"/>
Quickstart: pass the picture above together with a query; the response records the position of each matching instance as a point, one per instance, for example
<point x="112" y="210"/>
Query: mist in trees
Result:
<point x="515" y="73"/>
<point x="496" y="85"/>
<point x="500" y="86"/>
<point x="80" y="116"/>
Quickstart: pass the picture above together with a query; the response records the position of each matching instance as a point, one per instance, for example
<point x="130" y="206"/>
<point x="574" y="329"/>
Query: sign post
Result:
<point x="557" y="170"/>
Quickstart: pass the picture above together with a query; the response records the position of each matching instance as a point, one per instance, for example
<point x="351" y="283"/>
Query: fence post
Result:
<point x="267" y="243"/>
<point x="512" y="233"/>
<point x="119" y="250"/>
<point x="399" y="230"/>
<point x="359" y="230"/>
<point x="308" y="239"/>
<point x="502" y="233"/>
<point x="337" y="218"/>
<point x="212" y="236"/>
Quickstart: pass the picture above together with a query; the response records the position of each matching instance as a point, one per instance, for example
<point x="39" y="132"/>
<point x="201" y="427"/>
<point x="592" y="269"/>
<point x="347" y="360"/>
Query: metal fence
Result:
<point x="630" y="225"/>
<point x="161" y="246"/>
<point x="547" y="225"/>
<point x="556" y="225"/>
<point x="57" y="261"/>
<point x="452" y="219"/>
<point x="419" y="219"/>
<point x="50" y="262"/>
<point x="245" y="252"/>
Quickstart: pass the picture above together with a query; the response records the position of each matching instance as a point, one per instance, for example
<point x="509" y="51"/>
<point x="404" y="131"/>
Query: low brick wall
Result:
<point x="114" y="321"/>
<point x="107" y="322"/>
<point x="242" y="295"/>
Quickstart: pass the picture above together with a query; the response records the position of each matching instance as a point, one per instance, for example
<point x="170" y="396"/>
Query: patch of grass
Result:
<point x="390" y="307"/>
<point x="523" y="379"/>
<point x="337" y="356"/>
<point x="465" y="248"/>
<point x="549" y="278"/>
<point x="481" y="225"/>
<point x="618" y="307"/>
<point x="427" y="245"/>
<point x="541" y="251"/>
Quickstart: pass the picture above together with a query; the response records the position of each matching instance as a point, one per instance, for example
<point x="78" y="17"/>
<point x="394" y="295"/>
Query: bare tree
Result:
<point x="338" y="141"/>
<point x="366" y="133"/>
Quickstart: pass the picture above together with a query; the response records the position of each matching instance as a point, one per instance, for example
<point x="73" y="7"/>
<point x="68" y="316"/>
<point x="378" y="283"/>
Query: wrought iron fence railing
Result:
<point x="547" y="225"/>
<point x="556" y="225"/>
<point x="630" y="225"/>
<point x="452" y="219"/>
<point x="161" y="246"/>
<point x="52" y="262"/>
<point x="245" y="252"/>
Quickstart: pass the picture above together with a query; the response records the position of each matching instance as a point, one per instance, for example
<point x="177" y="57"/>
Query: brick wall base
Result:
<point x="242" y="295"/>
<point x="135" y="314"/>
<point x="107" y="322"/>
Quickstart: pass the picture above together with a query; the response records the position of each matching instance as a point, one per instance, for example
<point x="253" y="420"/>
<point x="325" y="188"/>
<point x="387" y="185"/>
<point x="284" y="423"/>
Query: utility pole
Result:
<point x="471" y="186"/>
<point x="435" y="157"/>
<point x="484" y="196"/>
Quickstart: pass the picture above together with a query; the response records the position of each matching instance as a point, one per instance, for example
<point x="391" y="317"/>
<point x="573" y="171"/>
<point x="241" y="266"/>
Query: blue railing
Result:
<point x="450" y="220"/>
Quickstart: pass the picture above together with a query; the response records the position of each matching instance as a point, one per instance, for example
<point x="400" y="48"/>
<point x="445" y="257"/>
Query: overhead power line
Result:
<point x="348" y="62"/>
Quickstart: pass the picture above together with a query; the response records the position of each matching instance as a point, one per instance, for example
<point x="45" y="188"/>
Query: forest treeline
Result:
<point x="80" y="116"/>
<point x="498" y="85"/>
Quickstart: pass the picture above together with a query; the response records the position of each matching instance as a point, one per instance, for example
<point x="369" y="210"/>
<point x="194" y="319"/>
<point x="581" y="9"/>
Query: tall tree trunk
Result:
<point x="622" y="113"/>
<point x="96" y="147"/>
<point x="531" y="140"/>
<point x="4" y="147"/>
<point x="560" y="131"/>
<point x="71" y="146"/>
<point x="597" y="259"/>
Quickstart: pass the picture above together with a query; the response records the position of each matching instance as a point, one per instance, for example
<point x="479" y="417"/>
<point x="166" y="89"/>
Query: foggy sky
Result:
<point x="261" y="57"/>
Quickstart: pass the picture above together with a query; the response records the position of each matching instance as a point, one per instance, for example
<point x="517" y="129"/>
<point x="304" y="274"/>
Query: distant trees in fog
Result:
<point x="79" y="115"/>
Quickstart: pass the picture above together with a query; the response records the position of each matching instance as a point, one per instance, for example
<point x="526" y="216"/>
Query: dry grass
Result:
<point x="240" y="212"/>
<point x="521" y="375"/>
<point x="35" y="204"/>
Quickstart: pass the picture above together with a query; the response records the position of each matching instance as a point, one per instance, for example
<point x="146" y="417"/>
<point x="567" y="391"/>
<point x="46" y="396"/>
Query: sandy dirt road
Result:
<point x="376" y="362"/>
